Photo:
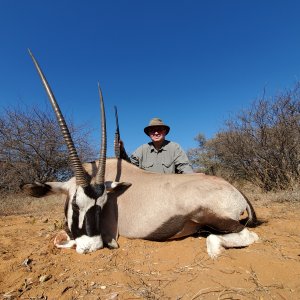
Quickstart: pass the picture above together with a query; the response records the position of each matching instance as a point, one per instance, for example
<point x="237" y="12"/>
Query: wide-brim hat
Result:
<point x="154" y="123"/>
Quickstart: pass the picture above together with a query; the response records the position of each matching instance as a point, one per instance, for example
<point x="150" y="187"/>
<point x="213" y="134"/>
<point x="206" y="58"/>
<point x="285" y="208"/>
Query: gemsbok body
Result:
<point x="138" y="204"/>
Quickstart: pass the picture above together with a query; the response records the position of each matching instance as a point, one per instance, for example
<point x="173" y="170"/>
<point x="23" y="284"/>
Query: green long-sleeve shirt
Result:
<point x="170" y="158"/>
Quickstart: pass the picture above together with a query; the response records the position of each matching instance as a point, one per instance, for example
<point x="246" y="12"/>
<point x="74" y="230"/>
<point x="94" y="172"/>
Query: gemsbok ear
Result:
<point x="113" y="186"/>
<point x="36" y="189"/>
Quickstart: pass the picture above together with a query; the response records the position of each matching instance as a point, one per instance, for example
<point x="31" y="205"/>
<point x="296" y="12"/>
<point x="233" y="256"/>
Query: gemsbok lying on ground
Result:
<point x="145" y="205"/>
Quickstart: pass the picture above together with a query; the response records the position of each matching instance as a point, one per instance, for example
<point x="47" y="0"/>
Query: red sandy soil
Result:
<point x="31" y="268"/>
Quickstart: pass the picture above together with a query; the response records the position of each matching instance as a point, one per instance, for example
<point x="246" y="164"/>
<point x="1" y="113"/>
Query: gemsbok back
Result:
<point x="145" y="205"/>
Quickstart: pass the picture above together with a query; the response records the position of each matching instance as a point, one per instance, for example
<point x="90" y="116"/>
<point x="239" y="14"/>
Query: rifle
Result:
<point x="117" y="136"/>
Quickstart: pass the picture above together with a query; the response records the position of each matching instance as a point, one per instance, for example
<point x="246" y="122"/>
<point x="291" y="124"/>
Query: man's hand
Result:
<point x="120" y="145"/>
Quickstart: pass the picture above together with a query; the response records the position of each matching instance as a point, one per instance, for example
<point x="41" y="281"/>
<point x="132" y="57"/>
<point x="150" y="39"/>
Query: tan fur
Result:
<point x="147" y="208"/>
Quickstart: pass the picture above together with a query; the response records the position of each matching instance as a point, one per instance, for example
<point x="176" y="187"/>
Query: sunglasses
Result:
<point x="156" y="129"/>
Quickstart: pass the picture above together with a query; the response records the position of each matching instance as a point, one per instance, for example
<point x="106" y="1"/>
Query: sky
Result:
<point x="191" y="63"/>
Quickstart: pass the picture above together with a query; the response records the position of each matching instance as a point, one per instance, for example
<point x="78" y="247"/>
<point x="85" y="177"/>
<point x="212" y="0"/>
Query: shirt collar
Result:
<point x="163" y="147"/>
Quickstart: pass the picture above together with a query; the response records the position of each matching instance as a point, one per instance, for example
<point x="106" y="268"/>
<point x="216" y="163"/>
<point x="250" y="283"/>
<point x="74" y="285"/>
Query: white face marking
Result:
<point x="66" y="245"/>
<point x="84" y="203"/>
<point x="102" y="200"/>
<point x="85" y="244"/>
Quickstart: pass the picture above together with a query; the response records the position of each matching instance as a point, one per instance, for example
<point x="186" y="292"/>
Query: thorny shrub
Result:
<point x="260" y="145"/>
<point x="32" y="148"/>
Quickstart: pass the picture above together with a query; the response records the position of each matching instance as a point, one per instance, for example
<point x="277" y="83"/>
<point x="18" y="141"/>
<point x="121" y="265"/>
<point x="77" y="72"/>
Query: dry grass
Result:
<point x="21" y="204"/>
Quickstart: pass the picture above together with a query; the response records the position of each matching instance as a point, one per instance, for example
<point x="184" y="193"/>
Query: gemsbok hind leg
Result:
<point x="216" y="243"/>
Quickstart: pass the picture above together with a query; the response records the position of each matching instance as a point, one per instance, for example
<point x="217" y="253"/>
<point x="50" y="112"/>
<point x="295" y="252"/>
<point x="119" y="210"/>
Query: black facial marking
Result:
<point x="94" y="191"/>
<point x="91" y="221"/>
<point x="66" y="207"/>
<point x="76" y="232"/>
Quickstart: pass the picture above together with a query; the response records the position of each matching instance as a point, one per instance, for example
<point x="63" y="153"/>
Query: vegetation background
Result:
<point x="259" y="145"/>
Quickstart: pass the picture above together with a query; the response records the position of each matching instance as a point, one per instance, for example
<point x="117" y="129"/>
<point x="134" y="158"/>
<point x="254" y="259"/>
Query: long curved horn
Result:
<point x="100" y="176"/>
<point x="81" y="178"/>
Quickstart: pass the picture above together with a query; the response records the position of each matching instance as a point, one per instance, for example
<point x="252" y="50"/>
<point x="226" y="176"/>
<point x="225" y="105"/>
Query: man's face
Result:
<point x="157" y="133"/>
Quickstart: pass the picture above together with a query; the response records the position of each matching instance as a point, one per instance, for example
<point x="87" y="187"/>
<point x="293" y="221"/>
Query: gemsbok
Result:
<point x="112" y="197"/>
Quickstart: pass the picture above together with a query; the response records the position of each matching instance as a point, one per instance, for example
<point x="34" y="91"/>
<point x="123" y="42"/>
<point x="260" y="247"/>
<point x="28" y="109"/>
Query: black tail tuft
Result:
<point x="252" y="220"/>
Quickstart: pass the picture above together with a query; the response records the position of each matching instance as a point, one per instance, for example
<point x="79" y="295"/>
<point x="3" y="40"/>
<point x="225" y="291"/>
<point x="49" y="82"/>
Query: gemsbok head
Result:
<point x="86" y="196"/>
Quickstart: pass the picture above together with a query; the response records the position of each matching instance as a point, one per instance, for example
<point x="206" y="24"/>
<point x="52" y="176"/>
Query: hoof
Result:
<point x="113" y="244"/>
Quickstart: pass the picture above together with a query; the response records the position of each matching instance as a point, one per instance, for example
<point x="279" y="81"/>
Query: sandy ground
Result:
<point x="31" y="268"/>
